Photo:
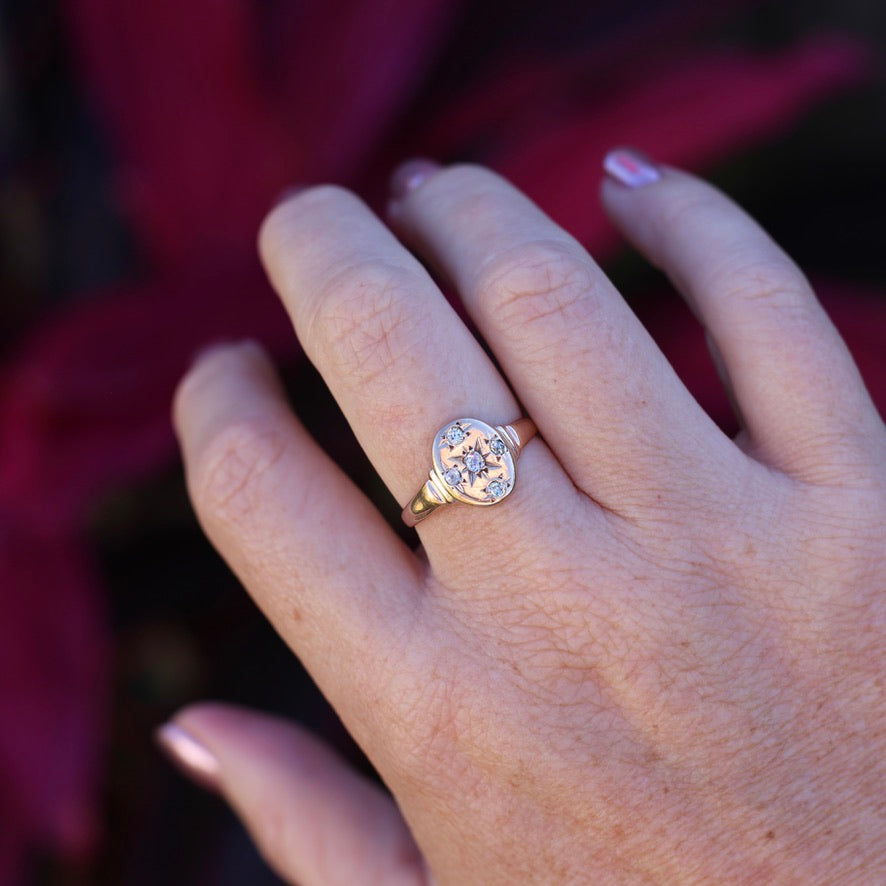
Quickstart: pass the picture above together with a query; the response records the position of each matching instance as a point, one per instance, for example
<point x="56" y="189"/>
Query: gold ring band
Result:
<point x="474" y="463"/>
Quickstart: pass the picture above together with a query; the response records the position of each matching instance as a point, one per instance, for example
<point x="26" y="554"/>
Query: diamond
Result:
<point x="496" y="488"/>
<point x="453" y="476"/>
<point x="455" y="435"/>
<point x="474" y="462"/>
<point x="498" y="446"/>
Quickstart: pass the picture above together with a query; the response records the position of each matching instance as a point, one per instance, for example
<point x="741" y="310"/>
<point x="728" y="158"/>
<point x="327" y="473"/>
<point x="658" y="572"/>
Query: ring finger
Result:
<point x="395" y="355"/>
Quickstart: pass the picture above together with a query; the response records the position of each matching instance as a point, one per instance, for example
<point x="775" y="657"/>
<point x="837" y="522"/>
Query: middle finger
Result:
<point x="603" y="395"/>
<point x="394" y="353"/>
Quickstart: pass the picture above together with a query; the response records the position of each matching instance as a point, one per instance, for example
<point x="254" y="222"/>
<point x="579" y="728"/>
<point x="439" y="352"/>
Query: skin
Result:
<point x="661" y="660"/>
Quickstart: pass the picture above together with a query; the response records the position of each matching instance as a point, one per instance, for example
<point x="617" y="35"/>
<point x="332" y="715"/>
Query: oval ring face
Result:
<point x="473" y="462"/>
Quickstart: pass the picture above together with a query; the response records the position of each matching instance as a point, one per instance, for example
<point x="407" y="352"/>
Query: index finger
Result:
<point x="313" y="552"/>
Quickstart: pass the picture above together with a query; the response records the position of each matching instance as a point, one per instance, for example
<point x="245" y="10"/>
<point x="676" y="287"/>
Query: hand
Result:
<point x="661" y="659"/>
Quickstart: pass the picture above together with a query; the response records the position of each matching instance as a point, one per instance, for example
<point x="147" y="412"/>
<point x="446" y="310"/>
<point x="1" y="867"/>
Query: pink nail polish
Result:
<point x="408" y="176"/>
<point x="192" y="757"/>
<point x="630" y="168"/>
<point x="220" y="346"/>
<point x="288" y="194"/>
<point x="210" y="348"/>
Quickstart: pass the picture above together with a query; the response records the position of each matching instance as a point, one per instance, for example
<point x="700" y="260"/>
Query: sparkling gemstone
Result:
<point x="498" y="446"/>
<point x="453" y="476"/>
<point x="455" y="435"/>
<point x="496" y="488"/>
<point x="474" y="462"/>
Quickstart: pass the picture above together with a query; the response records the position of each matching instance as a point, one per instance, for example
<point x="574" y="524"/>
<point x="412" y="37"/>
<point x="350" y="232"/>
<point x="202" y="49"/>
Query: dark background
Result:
<point x="176" y="624"/>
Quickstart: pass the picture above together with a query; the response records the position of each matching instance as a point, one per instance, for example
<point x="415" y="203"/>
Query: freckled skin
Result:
<point x="661" y="660"/>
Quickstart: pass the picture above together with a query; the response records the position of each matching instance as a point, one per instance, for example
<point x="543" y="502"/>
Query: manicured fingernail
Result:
<point x="192" y="757"/>
<point x="410" y="175"/>
<point x="288" y="194"/>
<point x="210" y="348"/>
<point x="630" y="168"/>
<point x="221" y="345"/>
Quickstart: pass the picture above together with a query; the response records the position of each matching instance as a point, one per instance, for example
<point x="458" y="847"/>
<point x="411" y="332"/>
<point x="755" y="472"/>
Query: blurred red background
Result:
<point x="141" y="144"/>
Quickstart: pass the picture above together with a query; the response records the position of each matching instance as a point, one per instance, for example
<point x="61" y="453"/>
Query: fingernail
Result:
<point x="193" y="758"/>
<point x="211" y="348"/>
<point x="630" y="168"/>
<point x="220" y="345"/>
<point x="288" y="194"/>
<point x="408" y="176"/>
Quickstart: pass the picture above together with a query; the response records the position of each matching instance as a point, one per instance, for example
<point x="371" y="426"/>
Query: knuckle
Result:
<point x="364" y="321"/>
<point x="539" y="282"/>
<point x="228" y="478"/>
<point x="773" y="283"/>
<point x="754" y="270"/>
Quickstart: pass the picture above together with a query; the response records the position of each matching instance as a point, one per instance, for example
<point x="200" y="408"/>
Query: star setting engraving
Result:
<point x="480" y="459"/>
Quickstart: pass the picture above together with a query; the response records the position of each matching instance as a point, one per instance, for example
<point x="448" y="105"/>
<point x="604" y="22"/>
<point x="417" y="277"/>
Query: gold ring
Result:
<point x="474" y="463"/>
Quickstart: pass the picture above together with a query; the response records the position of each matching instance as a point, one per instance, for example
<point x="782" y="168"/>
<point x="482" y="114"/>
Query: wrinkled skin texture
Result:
<point x="661" y="660"/>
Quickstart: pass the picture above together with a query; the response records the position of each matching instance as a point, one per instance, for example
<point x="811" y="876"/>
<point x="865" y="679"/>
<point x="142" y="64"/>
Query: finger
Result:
<point x="796" y="386"/>
<point x="313" y="818"/>
<point x="605" y="398"/>
<point x="314" y="553"/>
<point x="394" y="353"/>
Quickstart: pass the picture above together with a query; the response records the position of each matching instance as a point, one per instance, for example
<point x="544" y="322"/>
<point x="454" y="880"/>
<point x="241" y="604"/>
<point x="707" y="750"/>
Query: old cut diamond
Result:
<point x="498" y="446"/>
<point x="474" y="462"/>
<point x="496" y="488"/>
<point x="452" y="476"/>
<point x="455" y="435"/>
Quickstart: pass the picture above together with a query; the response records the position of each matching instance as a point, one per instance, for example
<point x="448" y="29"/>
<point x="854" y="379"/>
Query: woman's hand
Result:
<point x="661" y="659"/>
